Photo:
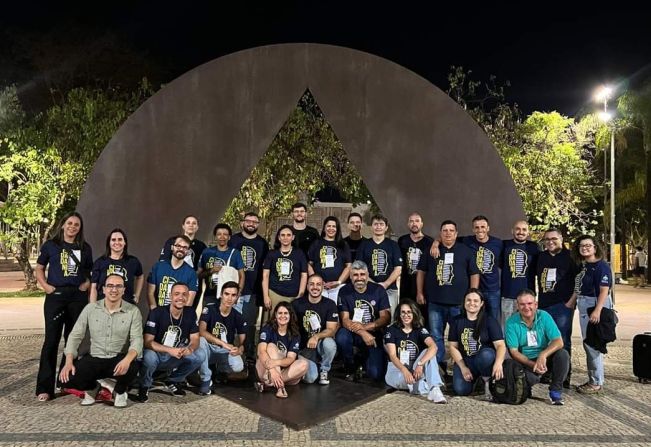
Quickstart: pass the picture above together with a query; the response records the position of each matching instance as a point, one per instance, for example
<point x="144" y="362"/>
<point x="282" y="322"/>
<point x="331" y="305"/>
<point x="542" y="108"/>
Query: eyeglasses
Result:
<point x="586" y="245"/>
<point x="405" y="312"/>
<point x="114" y="286"/>
<point x="182" y="247"/>
<point x="550" y="239"/>
<point x="249" y="221"/>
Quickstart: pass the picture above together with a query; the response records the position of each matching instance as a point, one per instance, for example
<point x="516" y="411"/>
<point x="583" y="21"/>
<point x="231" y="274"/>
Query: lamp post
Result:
<point x="604" y="94"/>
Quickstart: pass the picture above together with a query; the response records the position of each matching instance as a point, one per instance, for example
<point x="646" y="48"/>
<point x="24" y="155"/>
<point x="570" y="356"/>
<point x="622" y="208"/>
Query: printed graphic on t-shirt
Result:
<point x="548" y="280"/>
<point x="116" y="269"/>
<point x="410" y="347"/>
<point x="368" y="315"/>
<point x="281" y="347"/>
<point x="470" y="345"/>
<point x="249" y="257"/>
<point x="518" y="261"/>
<point x="68" y="265"/>
<point x="165" y="290"/>
<point x="311" y="322"/>
<point x="413" y="255"/>
<point x="327" y="256"/>
<point x="214" y="261"/>
<point x="444" y="273"/>
<point x="189" y="257"/>
<point x="284" y="269"/>
<point x="172" y="336"/>
<point x="485" y="260"/>
<point x="379" y="262"/>
<point x="578" y="281"/>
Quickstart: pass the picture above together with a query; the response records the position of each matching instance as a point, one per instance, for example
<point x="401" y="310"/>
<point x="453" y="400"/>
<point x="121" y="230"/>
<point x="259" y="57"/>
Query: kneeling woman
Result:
<point x="476" y="345"/>
<point x="278" y="363"/>
<point x="411" y="348"/>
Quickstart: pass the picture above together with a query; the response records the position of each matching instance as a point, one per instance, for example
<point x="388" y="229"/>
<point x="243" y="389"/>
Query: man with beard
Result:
<point x="254" y="249"/>
<point x="363" y="312"/>
<point x="318" y="321"/>
<point x="354" y="238"/>
<point x="304" y="234"/>
<point x="412" y="246"/>
<point x="164" y="274"/>
<point x="519" y="258"/>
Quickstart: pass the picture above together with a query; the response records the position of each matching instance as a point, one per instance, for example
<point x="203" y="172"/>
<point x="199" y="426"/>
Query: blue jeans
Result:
<point x="594" y="358"/>
<point x="439" y="316"/>
<point x="327" y="349"/>
<point x="431" y="378"/>
<point x="374" y="356"/>
<point x="153" y="361"/>
<point x="220" y="357"/>
<point x="480" y="364"/>
<point x="246" y="305"/>
<point x="492" y="302"/>
<point x="563" y="318"/>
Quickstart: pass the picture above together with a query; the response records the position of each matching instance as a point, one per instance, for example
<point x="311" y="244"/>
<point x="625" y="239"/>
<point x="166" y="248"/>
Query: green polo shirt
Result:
<point x="544" y="328"/>
<point x="109" y="333"/>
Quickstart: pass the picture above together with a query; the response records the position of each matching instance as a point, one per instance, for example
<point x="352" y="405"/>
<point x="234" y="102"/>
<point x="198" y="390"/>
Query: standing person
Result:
<point x="70" y="260"/>
<point x="354" y="238"/>
<point x="254" y="249"/>
<point x="213" y="259"/>
<point x="116" y="259"/>
<point x="556" y="272"/>
<point x="164" y="274"/>
<point x="411" y="350"/>
<point x="519" y="259"/>
<point x="284" y="274"/>
<point x="303" y="233"/>
<point x="382" y="256"/>
<point x="593" y="286"/>
<point x="640" y="267"/>
<point x="476" y="346"/>
<point x="189" y="227"/>
<point x="329" y="257"/>
<point x="278" y="364"/>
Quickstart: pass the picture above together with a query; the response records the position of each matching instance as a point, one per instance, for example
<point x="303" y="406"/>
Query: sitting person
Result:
<point x="219" y="325"/>
<point x="411" y="348"/>
<point x="111" y="323"/>
<point x="278" y="364"/>
<point x="363" y="312"/>
<point x="318" y="321"/>
<point x="476" y="345"/>
<point x="533" y="340"/>
<point x="171" y="343"/>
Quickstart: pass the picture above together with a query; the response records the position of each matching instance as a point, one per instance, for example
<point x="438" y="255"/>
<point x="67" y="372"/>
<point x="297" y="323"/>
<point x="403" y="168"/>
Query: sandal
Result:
<point x="588" y="388"/>
<point x="282" y="393"/>
<point x="43" y="397"/>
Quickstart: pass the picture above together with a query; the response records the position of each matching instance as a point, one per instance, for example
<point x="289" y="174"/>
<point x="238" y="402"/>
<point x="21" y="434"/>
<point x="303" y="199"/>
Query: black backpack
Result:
<point x="513" y="387"/>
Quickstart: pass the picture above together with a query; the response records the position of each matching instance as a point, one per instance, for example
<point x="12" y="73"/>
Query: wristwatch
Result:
<point x="420" y="363"/>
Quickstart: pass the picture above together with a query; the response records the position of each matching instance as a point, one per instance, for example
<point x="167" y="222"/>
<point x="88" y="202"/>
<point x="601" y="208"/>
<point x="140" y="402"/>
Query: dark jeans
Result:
<point x="374" y="357"/>
<point x="480" y="364"/>
<point x="559" y="364"/>
<point x="493" y="304"/>
<point x="563" y="318"/>
<point x="439" y="316"/>
<point x="61" y="310"/>
<point x="89" y="369"/>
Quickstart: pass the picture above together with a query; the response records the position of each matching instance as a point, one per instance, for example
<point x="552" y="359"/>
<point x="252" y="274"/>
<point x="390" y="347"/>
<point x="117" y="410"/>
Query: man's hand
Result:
<point x="368" y="338"/>
<point x="409" y="378"/>
<point x="595" y="316"/>
<point x="312" y="342"/>
<point x="355" y="327"/>
<point x="434" y="249"/>
<point x="122" y="367"/>
<point x="420" y="298"/>
<point x="331" y="285"/>
<point x="466" y="373"/>
<point x="236" y="350"/>
<point x="49" y="289"/>
<point x="384" y="285"/>
<point x="418" y="372"/>
<point x="540" y="367"/>
<point x="216" y="268"/>
<point x="84" y="286"/>
<point x="66" y="372"/>
<point x="176" y="352"/>
<point x="267" y="303"/>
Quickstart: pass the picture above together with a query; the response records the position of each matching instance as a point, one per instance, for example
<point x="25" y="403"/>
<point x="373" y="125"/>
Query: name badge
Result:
<point x="532" y="339"/>
<point x="449" y="258"/>
<point x="329" y="261"/>
<point x="358" y="315"/>
<point x="315" y="324"/>
<point x="170" y="338"/>
<point x="404" y="357"/>
<point x="222" y="336"/>
<point x="551" y="274"/>
<point x="214" y="278"/>
<point x="414" y="255"/>
<point x="284" y="268"/>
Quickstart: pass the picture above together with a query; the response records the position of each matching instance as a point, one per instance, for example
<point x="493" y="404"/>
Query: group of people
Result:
<point x="321" y="295"/>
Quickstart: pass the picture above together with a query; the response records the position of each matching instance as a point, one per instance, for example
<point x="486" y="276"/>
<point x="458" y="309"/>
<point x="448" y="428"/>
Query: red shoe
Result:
<point x="104" y="395"/>
<point x="75" y="392"/>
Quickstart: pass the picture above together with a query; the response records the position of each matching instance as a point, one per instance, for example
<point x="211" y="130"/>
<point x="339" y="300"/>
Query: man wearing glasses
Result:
<point x="254" y="249"/>
<point x="164" y="274"/>
<point x="556" y="272"/>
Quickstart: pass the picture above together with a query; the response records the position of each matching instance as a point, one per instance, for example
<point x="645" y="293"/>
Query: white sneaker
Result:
<point x="323" y="378"/>
<point x="436" y="396"/>
<point x="120" y="400"/>
<point x="89" y="398"/>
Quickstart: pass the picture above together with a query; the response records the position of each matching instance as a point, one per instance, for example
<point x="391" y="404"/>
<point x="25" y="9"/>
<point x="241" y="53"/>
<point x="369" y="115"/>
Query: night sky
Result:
<point x="553" y="53"/>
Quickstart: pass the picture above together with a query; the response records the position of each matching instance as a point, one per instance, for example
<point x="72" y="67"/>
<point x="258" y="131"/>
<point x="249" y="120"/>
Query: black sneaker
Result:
<point x="143" y="394"/>
<point x="175" y="389"/>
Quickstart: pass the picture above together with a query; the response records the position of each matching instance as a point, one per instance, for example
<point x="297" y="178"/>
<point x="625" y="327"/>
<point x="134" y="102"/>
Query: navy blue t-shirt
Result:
<point x="212" y="257"/>
<point x="413" y="342"/>
<point x="322" y="312"/>
<point x="223" y="327"/>
<point x="253" y="252"/>
<point x="381" y="258"/>
<point x="462" y="331"/>
<point x="353" y="245"/>
<point x="593" y="276"/>
<point x="488" y="257"/>
<point x="518" y="267"/>
<point x="163" y="326"/>
<point x="372" y="301"/>
<point x="63" y="270"/>
<point x="556" y="275"/>
<point x="411" y="253"/>
<point x="328" y="259"/>
<point x="285" y="271"/>
<point x="128" y="268"/>
<point x="285" y="343"/>
<point x="447" y="278"/>
<point x="164" y="276"/>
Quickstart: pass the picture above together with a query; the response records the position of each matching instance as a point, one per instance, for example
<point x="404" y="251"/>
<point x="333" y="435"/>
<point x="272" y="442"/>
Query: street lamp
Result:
<point x="603" y="95"/>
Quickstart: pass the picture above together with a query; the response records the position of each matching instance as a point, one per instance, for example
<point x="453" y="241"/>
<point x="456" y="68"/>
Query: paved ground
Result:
<point x="621" y="416"/>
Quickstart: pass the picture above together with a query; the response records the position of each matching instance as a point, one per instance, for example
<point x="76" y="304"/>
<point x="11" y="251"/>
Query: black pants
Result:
<point x="89" y="369"/>
<point x="61" y="310"/>
<point x="559" y="364"/>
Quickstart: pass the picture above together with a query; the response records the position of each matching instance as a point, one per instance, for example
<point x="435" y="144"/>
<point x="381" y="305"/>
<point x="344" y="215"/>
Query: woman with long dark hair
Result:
<point x="117" y="260"/>
<point x="476" y="344"/>
<point x="592" y="291"/>
<point x="411" y="349"/>
<point x="278" y="364"/>
<point x="70" y="259"/>
<point x="330" y="257"/>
